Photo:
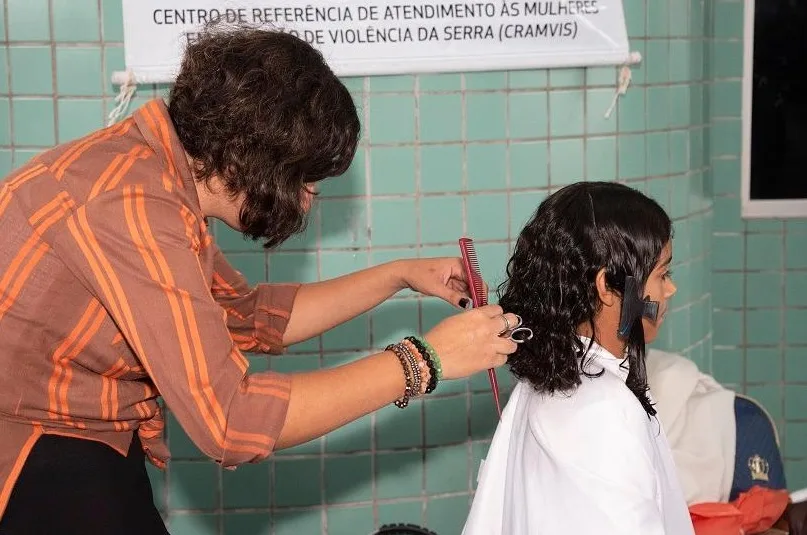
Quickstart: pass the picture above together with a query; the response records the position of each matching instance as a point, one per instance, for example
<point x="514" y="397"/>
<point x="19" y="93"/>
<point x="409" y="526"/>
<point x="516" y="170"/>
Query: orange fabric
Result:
<point x="752" y="512"/>
<point x="112" y="294"/>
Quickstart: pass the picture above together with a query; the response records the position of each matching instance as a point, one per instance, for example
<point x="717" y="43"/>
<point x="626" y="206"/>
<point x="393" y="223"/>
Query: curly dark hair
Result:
<point x="262" y="110"/>
<point x="577" y="231"/>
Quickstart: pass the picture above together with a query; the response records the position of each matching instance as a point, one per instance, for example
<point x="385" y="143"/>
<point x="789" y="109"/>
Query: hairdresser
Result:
<point x="113" y="294"/>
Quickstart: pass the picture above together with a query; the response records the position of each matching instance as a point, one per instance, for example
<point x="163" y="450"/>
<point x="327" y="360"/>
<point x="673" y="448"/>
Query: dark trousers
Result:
<point x="70" y="486"/>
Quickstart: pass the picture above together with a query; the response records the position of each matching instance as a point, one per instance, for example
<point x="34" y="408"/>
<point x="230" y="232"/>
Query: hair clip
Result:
<point x="634" y="307"/>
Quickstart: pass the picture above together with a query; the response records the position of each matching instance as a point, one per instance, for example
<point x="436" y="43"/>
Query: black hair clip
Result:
<point x="634" y="307"/>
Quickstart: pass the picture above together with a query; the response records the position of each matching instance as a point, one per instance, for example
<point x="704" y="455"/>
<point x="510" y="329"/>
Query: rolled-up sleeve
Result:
<point x="256" y="316"/>
<point x="137" y="250"/>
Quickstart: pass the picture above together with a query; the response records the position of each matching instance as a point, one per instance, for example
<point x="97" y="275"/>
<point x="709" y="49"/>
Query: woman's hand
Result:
<point x="439" y="277"/>
<point x="470" y="342"/>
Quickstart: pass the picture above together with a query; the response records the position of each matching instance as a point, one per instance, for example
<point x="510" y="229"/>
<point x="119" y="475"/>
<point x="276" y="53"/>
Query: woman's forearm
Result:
<point x="321" y="306"/>
<point x="324" y="400"/>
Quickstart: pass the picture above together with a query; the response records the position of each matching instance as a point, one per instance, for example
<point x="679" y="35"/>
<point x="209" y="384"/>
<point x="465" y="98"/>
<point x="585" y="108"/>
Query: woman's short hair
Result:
<point x="576" y="232"/>
<point x="261" y="110"/>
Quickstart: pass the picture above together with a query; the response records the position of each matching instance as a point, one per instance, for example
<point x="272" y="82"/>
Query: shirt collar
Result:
<point x="155" y="125"/>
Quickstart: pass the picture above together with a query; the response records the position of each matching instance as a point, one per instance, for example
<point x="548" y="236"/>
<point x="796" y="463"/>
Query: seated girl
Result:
<point x="579" y="449"/>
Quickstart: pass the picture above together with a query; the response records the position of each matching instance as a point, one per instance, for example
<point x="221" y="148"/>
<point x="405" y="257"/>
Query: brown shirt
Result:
<point x="112" y="293"/>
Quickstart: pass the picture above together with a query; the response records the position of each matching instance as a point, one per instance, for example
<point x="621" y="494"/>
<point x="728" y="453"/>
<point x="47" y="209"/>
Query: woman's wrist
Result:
<point x="395" y="275"/>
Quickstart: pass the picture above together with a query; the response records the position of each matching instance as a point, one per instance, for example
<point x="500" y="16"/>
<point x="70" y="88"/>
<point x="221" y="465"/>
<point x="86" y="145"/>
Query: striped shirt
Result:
<point x="113" y="293"/>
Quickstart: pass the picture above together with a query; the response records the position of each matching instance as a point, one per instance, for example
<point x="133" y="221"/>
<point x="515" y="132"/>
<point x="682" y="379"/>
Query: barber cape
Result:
<point x="589" y="462"/>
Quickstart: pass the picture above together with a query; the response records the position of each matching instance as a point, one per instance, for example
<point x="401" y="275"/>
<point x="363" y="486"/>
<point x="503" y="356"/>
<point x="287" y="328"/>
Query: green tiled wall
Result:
<point x="444" y="155"/>
<point x="759" y="280"/>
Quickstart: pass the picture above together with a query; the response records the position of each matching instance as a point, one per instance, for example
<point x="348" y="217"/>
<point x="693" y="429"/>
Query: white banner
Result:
<point x="376" y="37"/>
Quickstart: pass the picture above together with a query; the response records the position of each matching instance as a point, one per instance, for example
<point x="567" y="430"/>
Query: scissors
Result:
<point x="516" y="333"/>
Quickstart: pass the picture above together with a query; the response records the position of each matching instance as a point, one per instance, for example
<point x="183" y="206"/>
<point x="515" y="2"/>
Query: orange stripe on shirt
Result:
<point x="167" y="184"/>
<point x="61" y="350"/>
<point x="19" y="270"/>
<point x="141" y="234"/>
<point x="285" y="314"/>
<point x="143" y="406"/>
<point x="234" y="313"/>
<point x="129" y="209"/>
<point x="198" y="349"/>
<point x="253" y="438"/>
<point x="243" y="339"/>
<point x="141" y="409"/>
<point x="82" y="342"/>
<point x="66" y="351"/>
<point x="116" y="170"/>
<point x="49" y="207"/>
<point x="199" y="360"/>
<point x="70" y="156"/>
<point x="14" y="183"/>
<point x="189" y="328"/>
<point x="76" y="225"/>
<point x="107" y="279"/>
<point x="163" y="132"/>
<point x="221" y="286"/>
<point x="268" y="391"/>
<point x="116" y="162"/>
<point x="111" y="287"/>
<point x="42" y="221"/>
<point x="267" y="332"/>
<point x="16" y="468"/>
<point x="239" y="360"/>
<point x="140" y="153"/>
<point x="190" y="222"/>
<point x="82" y="143"/>
<point x="268" y="380"/>
<point x="152" y="114"/>
<point x="109" y="392"/>
<point x="23" y="265"/>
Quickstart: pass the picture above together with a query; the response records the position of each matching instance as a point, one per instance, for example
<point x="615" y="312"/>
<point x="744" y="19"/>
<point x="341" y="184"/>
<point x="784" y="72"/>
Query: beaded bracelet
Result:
<point x="403" y="401"/>
<point x="433" y="355"/>
<point x="428" y="361"/>
<point x="413" y="365"/>
<point x="424" y="367"/>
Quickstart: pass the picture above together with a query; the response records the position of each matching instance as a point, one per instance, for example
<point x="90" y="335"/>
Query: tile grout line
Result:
<point x="54" y="72"/>
<point x="9" y="81"/>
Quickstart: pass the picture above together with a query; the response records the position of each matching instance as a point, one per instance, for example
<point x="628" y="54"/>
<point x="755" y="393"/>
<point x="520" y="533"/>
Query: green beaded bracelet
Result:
<point x="435" y="357"/>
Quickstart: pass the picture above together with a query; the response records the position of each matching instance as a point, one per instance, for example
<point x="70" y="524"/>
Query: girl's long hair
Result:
<point x="577" y="231"/>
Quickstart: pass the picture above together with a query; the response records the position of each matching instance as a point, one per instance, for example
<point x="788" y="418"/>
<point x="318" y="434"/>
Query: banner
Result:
<point x="377" y="37"/>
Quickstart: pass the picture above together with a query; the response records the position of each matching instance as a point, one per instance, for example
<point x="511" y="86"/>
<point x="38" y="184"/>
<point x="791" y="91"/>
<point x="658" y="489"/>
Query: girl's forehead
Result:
<point x="665" y="257"/>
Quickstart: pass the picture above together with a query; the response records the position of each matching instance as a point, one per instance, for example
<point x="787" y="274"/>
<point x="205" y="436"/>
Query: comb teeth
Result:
<point x="475" y="275"/>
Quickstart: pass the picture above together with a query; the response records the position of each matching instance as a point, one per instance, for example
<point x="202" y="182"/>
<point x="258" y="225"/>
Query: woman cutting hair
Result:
<point x="113" y="293"/>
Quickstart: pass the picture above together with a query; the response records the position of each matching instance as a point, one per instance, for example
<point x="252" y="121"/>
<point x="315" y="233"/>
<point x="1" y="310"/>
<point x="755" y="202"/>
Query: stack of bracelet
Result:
<point x="421" y="366"/>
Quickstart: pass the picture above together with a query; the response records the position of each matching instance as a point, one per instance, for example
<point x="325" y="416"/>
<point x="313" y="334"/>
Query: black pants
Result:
<point x="70" y="486"/>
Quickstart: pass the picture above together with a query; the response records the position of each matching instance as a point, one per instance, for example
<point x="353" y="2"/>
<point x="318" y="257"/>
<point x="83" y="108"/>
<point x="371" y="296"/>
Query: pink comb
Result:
<point x="479" y="298"/>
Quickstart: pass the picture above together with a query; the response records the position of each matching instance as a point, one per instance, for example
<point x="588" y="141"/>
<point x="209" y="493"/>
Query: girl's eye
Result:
<point x="667" y="274"/>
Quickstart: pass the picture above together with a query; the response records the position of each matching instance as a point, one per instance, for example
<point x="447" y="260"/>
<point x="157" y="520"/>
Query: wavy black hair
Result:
<point x="262" y="110"/>
<point x="577" y="231"/>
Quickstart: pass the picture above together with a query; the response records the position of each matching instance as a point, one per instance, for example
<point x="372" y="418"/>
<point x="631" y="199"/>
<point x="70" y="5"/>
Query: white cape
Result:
<point x="588" y="463"/>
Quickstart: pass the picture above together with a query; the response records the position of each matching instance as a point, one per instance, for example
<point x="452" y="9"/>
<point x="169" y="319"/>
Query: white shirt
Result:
<point x="589" y="462"/>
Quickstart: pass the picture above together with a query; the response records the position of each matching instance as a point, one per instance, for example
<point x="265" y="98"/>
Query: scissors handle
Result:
<point x="520" y="335"/>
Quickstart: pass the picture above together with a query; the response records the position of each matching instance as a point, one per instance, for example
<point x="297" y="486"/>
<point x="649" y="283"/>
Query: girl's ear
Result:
<point x="607" y="296"/>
